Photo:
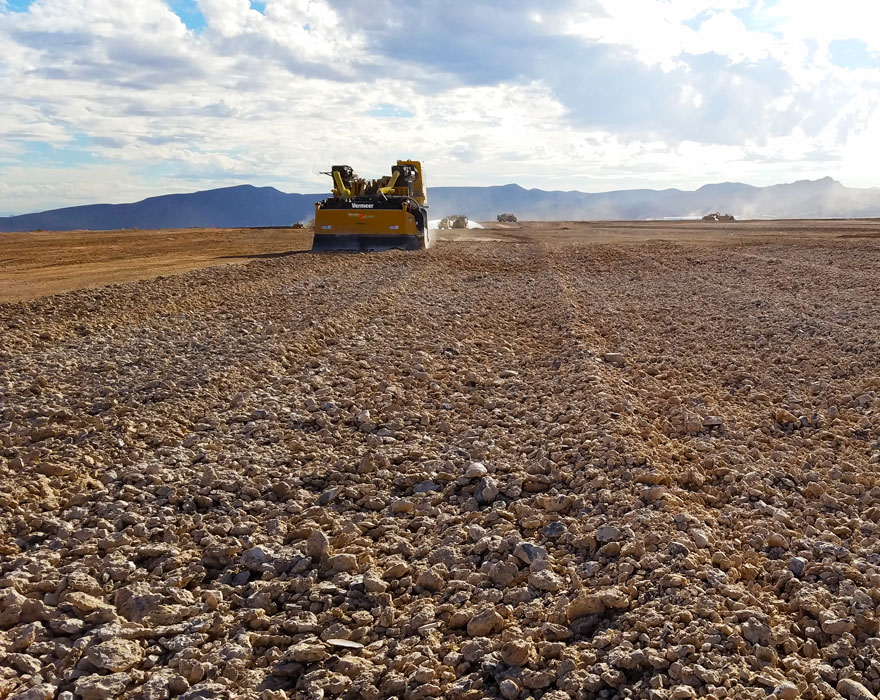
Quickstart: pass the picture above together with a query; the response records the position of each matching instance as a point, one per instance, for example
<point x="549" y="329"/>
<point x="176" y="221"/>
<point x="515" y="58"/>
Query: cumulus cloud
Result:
<point x="577" y="94"/>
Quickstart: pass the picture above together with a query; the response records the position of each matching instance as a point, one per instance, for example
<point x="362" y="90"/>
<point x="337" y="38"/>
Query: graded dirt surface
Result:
<point x="578" y="461"/>
<point x="49" y="262"/>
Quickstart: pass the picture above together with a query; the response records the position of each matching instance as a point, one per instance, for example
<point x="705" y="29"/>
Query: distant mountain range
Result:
<point x="246" y="205"/>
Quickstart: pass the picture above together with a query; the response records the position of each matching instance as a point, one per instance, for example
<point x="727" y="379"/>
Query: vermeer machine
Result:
<point x="390" y="212"/>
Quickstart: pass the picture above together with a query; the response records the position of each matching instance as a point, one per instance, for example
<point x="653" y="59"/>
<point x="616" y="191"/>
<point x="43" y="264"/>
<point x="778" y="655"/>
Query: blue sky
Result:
<point x="188" y="11"/>
<point x="116" y="100"/>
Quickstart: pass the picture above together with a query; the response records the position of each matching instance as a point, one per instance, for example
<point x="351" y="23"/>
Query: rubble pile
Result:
<point x="483" y="471"/>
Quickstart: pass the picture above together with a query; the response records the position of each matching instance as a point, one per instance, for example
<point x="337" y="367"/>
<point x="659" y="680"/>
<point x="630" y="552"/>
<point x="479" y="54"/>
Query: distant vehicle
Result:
<point x="718" y="217"/>
<point x="454" y="221"/>
<point x="506" y="218"/>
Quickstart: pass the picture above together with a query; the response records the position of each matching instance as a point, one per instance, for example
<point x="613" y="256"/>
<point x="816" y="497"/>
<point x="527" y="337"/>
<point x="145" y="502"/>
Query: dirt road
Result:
<point x="641" y="465"/>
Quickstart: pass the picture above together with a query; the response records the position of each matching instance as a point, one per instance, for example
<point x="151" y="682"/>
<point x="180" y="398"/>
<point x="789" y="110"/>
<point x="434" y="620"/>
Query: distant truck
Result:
<point x="718" y="217"/>
<point x="454" y="221"/>
<point x="506" y="218"/>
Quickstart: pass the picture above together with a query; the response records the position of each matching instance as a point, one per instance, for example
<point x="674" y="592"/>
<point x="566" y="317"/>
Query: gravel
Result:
<point x="487" y="470"/>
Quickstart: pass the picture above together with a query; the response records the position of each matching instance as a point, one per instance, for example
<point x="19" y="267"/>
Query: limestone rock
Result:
<point x="545" y="581"/>
<point x="306" y="652"/>
<point x="116" y="655"/>
<point x="853" y="690"/>
<point x="484" y="623"/>
<point x="317" y="544"/>
<point x="42" y="691"/>
<point x="98" y="687"/>
<point x="343" y="562"/>
<point x="137" y="600"/>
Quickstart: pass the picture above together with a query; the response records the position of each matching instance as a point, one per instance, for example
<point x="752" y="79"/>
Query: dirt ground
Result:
<point x="46" y="262"/>
<point x="616" y="460"/>
<point x="41" y="263"/>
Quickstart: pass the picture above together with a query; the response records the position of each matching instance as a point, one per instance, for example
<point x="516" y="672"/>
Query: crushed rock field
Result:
<point x="632" y="465"/>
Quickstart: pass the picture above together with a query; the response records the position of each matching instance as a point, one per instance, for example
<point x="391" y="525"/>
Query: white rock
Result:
<point x="475" y="470"/>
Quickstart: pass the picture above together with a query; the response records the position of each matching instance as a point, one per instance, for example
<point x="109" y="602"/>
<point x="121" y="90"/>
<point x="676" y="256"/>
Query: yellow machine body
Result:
<point x="377" y="214"/>
<point x="365" y="221"/>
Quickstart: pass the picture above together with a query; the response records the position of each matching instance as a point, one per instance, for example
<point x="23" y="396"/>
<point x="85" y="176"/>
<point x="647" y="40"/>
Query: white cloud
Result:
<point x="229" y="17"/>
<point x="657" y="33"/>
<point x="825" y="21"/>
<point x="590" y="94"/>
